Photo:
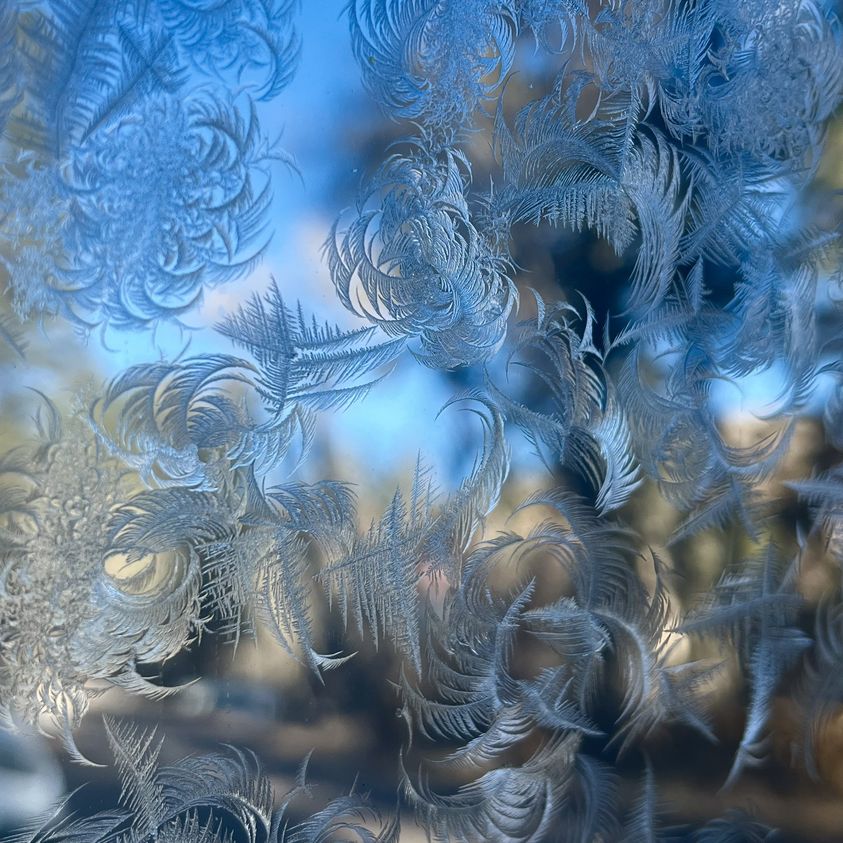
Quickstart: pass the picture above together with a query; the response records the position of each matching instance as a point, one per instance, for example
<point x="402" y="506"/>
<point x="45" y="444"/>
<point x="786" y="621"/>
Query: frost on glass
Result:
<point x="627" y="551"/>
<point x="220" y="797"/>
<point x="133" y="176"/>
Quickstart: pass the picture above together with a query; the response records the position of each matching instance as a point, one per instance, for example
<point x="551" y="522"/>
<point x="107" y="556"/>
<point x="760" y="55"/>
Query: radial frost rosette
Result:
<point x="78" y="611"/>
<point x="414" y="263"/>
<point x="163" y="207"/>
<point x="433" y="61"/>
<point x="773" y="80"/>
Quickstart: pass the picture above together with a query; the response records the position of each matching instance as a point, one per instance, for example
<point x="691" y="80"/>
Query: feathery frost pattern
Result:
<point x="81" y="606"/>
<point x="217" y="798"/>
<point x="607" y="621"/>
<point x="126" y="185"/>
<point x="671" y="549"/>
<point x="433" y="61"/>
<point x="418" y="266"/>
